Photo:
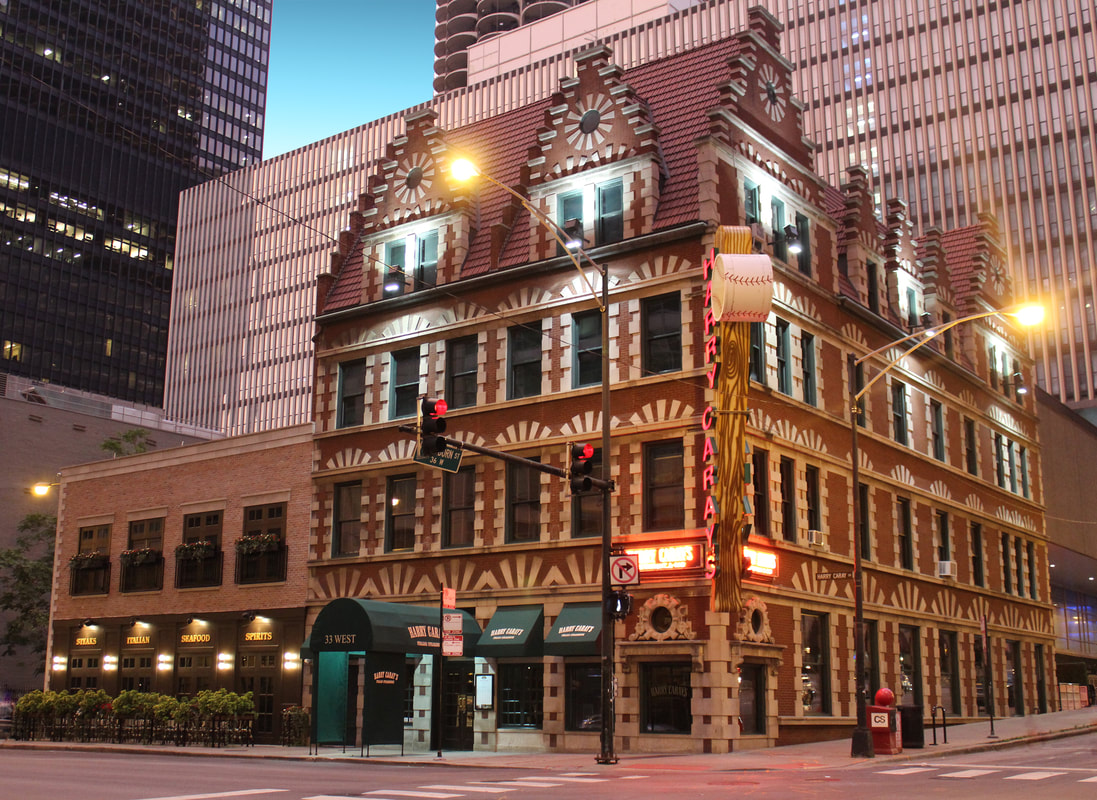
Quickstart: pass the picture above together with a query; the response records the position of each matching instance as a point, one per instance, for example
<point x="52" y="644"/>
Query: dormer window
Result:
<point x="411" y="260"/>
<point x="603" y="203"/>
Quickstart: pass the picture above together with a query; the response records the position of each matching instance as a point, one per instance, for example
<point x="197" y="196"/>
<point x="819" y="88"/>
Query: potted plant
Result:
<point x="138" y="556"/>
<point x="195" y="551"/>
<point x="258" y="543"/>
<point x="93" y="559"/>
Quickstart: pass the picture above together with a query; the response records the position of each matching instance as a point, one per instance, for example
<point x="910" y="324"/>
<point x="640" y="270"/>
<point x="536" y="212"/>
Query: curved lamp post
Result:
<point x="462" y="170"/>
<point x="1026" y="314"/>
<point x="42" y="489"/>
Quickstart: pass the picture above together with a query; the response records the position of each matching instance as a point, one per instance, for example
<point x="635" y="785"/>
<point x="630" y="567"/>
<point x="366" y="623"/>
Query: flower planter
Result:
<point x="89" y="561"/>
<point x="260" y="543"/>
<point x="195" y="551"/>
<point x="135" y="558"/>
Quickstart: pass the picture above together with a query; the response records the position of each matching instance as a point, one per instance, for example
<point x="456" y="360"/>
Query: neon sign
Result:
<point x="708" y="422"/>
<point x="759" y="563"/>
<point x="668" y="557"/>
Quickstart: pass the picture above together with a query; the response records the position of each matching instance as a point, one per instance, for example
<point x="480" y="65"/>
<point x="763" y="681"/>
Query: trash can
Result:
<point x="913" y="726"/>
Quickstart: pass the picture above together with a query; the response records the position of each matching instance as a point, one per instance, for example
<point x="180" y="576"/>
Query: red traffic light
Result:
<point x="435" y="408"/>
<point x="580" y="468"/>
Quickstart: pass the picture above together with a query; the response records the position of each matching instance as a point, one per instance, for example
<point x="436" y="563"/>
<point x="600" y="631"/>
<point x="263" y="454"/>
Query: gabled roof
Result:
<point x="966" y="251"/>
<point x="678" y="90"/>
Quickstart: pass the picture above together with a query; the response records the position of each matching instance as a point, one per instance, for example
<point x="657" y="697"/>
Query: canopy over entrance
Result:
<point x="350" y="624"/>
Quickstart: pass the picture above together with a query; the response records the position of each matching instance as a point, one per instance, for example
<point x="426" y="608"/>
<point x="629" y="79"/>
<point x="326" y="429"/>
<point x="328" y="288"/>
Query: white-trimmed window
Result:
<point x="411" y="261"/>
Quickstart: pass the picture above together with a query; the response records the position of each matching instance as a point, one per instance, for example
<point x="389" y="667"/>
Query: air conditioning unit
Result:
<point x="817" y="538"/>
<point x="946" y="569"/>
<point x="758" y="237"/>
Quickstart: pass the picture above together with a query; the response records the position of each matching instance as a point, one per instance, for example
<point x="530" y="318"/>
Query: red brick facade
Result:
<point x="705" y="138"/>
<point x="231" y="621"/>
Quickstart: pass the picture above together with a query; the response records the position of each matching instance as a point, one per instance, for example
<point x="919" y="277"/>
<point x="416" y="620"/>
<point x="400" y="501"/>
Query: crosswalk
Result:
<point x="473" y="789"/>
<point x="1004" y="773"/>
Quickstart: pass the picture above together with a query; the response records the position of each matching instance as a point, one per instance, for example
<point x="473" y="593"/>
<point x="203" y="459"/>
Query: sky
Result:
<point x="336" y="64"/>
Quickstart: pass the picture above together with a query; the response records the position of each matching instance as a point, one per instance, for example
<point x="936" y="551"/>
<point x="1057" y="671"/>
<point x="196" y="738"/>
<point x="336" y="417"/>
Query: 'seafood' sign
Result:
<point x="759" y="563"/>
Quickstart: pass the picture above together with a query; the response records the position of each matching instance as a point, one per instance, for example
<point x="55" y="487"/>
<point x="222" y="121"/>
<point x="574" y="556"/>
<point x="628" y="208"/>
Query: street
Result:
<point x="1065" y="769"/>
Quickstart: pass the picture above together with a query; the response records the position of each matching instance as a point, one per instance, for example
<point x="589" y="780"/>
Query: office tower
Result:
<point x="958" y="111"/>
<point x="953" y="121"/>
<point x="108" y="111"/>
<point x="251" y="245"/>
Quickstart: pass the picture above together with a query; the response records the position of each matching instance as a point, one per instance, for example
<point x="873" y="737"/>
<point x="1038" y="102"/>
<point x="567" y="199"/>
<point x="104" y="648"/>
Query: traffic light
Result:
<point x="580" y="467"/>
<point x="432" y="424"/>
<point x="619" y="603"/>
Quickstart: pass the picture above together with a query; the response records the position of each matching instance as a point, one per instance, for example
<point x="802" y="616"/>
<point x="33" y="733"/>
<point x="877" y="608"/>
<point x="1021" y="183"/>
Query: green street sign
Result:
<point x="448" y="460"/>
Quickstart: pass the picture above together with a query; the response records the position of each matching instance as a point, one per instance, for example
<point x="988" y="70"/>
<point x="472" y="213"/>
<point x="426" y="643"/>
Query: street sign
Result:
<point x="453" y="644"/>
<point x="452" y="622"/>
<point x="624" y="570"/>
<point x="449" y="597"/>
<point x="448" y="460"/>
<point x="832" y="576"/>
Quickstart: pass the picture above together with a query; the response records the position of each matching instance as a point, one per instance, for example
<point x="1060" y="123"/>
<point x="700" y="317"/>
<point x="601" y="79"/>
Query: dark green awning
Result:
<point x="577" y="632"/>
<point x="349" y="624"/>
<point x="514" y="631"/>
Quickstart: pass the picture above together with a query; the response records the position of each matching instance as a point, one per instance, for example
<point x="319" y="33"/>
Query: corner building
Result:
<point x="446" y="290"/>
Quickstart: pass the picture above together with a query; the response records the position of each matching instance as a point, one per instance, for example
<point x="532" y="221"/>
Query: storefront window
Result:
<point x="950" y="669"/>
<point x="815" y="664"/>
<point x="583" y="697"/>
<point x="910" y="666"/>
<point x="1015" y="695"/>
<point x="521" y="695"/>
<point x="870" y="673"/>
<point x="666" y="697"/>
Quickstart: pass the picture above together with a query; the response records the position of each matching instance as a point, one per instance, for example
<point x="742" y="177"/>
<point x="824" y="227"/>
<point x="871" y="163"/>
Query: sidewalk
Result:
<point x="968" y="738"/>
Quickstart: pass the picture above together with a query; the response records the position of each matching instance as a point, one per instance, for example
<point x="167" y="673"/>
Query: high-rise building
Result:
<point x="108" y="110"/>
<point x="958" y="112"/>
<point x="251" y="245"/>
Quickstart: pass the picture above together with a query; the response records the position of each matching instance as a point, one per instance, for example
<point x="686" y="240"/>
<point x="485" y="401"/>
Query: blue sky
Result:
<point x="335" y="64"/>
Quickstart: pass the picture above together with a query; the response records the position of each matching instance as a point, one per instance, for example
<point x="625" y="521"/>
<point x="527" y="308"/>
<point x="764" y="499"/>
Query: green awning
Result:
<point x="577" y="632"/>
<point x="514" y="632"/>
<point x="349" y="624"/>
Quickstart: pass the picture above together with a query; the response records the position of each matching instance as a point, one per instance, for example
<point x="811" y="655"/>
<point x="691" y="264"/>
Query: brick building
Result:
<point x="455" y="291"/>
<point x="140" y="603"/>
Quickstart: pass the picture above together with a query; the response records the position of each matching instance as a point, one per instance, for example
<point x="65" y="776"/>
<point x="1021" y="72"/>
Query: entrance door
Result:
<point x="257" y="675"/>
<point x="457" y="705"/>
<point x="752" y="699"/>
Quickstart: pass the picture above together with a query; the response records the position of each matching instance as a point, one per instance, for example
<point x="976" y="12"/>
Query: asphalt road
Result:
<point x="1064" y="769"/>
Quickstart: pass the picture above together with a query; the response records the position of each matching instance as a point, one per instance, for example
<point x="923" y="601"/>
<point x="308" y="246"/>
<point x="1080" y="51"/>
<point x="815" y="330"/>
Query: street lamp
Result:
<point x="42" y="489"/>
<point x="570" y="239"/>
<point x="1027" y="314"/>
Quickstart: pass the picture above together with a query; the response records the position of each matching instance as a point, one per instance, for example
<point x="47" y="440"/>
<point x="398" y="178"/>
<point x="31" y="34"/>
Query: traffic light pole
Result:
<point x="609" y="714"/>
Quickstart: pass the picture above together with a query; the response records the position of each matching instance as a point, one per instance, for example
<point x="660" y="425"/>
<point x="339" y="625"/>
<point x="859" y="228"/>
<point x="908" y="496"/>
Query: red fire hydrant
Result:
<point x="886" y="738"/>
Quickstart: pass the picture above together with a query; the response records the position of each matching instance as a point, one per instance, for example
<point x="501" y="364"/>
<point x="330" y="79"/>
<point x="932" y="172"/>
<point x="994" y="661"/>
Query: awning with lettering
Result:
<point x="349" y="624"/>
<point x="514" y="632"/>
<point x="577" y="631"/>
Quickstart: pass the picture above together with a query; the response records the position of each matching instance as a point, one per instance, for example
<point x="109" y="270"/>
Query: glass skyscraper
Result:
<point x="108" y="110"/>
